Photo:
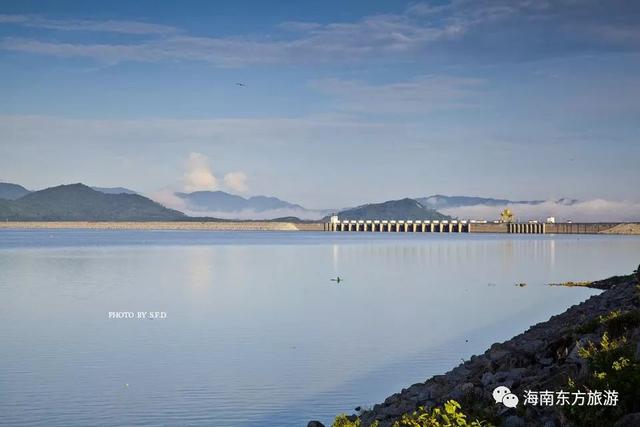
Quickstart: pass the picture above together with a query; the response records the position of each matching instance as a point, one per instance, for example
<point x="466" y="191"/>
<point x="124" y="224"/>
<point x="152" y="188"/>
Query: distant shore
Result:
<point x="168" y="225"/>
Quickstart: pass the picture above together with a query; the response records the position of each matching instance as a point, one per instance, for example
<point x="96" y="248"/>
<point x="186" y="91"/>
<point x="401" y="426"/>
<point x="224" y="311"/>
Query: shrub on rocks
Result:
<point x="449" y="415"/>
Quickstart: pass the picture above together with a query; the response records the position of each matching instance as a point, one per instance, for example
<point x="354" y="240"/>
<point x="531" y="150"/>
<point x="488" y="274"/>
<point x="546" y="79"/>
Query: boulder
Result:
<point x="513" y="421"/>
<point x="487" y="379"/>
<point x="629" y="420"/>
<point x="315" y="424"/>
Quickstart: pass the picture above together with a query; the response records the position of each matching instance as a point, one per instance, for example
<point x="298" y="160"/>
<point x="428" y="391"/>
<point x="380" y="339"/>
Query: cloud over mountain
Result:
<point x="596" y="210"/>
<point x="199" y="175"/>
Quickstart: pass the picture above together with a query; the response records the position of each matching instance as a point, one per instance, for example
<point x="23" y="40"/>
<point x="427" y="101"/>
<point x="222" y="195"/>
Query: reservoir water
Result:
<point x="256" y="333"/>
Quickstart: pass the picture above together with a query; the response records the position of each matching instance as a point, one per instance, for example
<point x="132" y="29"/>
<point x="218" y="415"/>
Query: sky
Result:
<point x="325" y="104"/>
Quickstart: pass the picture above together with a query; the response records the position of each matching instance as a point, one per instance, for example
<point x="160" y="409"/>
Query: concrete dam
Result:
<point x="464" y="226"/>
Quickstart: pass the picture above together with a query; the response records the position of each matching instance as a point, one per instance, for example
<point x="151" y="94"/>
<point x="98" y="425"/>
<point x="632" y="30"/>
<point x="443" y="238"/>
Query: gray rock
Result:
<point x="497" y="354"/>
<point x="514" y="421"/>
<point x="467" y="386"/>
<point x="398" y="408"/>
<point x="629" y="420"/>
<point x="315" y="424"/>
<point x="508" y="376"/>
<point x="546" y="361"/>
<point x="423" y="395"/>
<point x="487" y="379"/>
<point x="533" y="346"/>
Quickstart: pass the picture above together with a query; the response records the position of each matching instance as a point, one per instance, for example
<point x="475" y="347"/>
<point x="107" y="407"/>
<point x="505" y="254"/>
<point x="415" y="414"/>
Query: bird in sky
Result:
<point x="240" y="84"/>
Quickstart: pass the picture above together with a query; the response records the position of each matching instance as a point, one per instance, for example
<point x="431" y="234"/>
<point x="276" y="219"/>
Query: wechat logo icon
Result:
<point x="502" y="394"/>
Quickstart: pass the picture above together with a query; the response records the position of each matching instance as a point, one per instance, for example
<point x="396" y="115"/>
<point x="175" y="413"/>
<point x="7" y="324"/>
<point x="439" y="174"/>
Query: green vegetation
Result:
<point x="343" y="420"/>
<point x="572" y="284"/>
<point x="615" y="323"/>
<point x="77" y="202"/>
<point x="450" y="415"/>
<point x="612" y="365"/>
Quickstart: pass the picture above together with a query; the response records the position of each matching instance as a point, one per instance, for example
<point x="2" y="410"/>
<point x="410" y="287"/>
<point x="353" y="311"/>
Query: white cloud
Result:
<point x="407" y="35"/>
<point x="167" y="197"/>
<point x="217" y="132"/>
<point x="422" y="94"/>
<point x="110" y="26"/>
<point x="199" y="176"/>
<point x="236" y="181"/>
<point x="369" y="37"/>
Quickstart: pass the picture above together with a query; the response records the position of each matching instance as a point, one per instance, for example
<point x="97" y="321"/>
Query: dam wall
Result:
<point x="454" y="226"/>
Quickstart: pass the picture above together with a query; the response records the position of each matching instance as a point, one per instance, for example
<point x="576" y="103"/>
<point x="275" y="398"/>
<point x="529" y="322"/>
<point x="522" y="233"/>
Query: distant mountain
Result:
<point x="220" y="201"/>
<point x="12" y="191"/>
<point x="394" y="209"/>
<point x="230" y="206"/>
<point x="114" y="190"/>
<point x="77" y="202"/>
<point x="439" y="201"/>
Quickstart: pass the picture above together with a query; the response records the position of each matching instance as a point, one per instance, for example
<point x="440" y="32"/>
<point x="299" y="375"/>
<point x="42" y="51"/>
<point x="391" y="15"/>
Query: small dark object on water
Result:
<point x="315" y="424"/>
<point x="337" y="279"/>
<point x="357" y="409"/>
<point x="521" y="285"/>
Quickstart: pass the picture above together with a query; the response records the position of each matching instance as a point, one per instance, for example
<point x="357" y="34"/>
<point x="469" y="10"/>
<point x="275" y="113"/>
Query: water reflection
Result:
<point x="256" y="334"/>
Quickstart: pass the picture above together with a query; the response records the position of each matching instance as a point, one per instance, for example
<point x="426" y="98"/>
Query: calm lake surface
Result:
<point x="256" y="334"/>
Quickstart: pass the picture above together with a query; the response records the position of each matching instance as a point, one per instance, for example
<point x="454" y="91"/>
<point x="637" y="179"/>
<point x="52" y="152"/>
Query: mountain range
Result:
<point x="206" y="201"/>
<point x="220" y="204"/>
<point x="78" y="202"/>
<point x="11" y="191"/>
<point x="81" y="202"/>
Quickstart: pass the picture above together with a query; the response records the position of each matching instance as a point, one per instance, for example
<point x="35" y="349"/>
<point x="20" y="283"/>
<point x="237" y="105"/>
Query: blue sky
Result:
<point x="343" y="103"/>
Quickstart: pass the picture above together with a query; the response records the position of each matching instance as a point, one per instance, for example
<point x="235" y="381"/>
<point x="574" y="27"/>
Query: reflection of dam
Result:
<point x="454" y="226"/>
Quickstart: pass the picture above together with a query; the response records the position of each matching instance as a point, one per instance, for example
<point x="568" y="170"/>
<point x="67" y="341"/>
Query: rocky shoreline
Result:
<point x="545" y="357"/>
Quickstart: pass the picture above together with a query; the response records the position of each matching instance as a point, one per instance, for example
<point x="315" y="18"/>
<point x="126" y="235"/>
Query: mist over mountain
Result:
<point x="78" y="202"/>
<point x="82" y="203"/>
<point x="10" y="191"/>
<point x="393" y="209"/>
<point x="439" y="201"/>
<point x="564" y="209"/>
<point x="221" y="204"/>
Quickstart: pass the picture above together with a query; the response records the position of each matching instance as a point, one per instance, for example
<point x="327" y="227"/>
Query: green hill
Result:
<point x="393" y="209"/>
<point x="10" y="191"/>
<point x="77" y="202"/>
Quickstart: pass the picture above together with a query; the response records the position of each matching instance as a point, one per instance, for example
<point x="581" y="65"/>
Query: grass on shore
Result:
<point x="449" y="415"/>
<point x="613" y="364"/>
<point x="572" y="284"/>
